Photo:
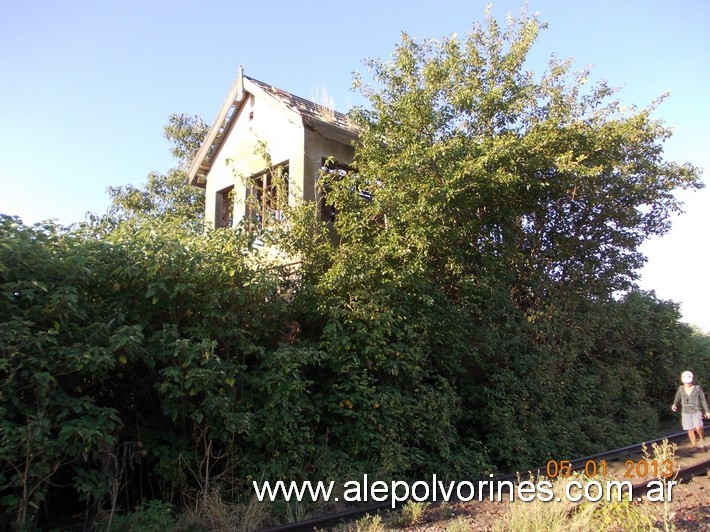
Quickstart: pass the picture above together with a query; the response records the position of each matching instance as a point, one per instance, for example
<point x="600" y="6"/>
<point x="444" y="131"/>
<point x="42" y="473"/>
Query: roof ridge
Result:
<point x="328" y="122"/>
<point x="308" y="109"/>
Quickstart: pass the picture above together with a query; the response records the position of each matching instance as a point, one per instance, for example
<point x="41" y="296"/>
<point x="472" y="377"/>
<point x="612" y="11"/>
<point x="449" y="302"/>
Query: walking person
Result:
<point x="692" y="400"/>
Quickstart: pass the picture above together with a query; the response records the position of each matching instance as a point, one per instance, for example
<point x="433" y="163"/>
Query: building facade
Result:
<point x="265" y="149"/>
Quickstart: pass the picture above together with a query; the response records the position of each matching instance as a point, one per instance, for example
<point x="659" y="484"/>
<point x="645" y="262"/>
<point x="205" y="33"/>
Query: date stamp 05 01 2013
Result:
<point x="632" y="468"/>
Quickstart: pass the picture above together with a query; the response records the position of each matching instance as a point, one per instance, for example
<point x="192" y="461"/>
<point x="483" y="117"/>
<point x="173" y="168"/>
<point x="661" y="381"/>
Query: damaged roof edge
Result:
<point x="201" y="163"/>
<point x="328" y="122"/>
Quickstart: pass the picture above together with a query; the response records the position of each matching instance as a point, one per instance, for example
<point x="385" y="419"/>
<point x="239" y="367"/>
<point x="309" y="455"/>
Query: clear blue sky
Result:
<point x="87" y="86"/>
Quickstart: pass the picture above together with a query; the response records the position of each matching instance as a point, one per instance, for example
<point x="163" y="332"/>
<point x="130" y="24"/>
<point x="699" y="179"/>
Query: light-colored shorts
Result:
<point x="692" y="421"/>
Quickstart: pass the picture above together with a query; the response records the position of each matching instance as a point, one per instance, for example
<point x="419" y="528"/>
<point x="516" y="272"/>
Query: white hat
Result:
<point x="687" y="377"/>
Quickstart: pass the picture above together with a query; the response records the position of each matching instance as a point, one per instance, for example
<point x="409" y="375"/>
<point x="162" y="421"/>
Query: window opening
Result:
<point x="268" y="195"/>
<point x="225" y="207"/>
<point x="332" y="171"/>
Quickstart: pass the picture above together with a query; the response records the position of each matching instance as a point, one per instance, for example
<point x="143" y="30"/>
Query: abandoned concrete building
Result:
<point x="266" y="147"/>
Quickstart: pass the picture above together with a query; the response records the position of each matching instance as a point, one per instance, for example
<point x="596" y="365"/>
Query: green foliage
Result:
<point x="148" y="335"/>
<point x="151" y="516"/>
<point x="186" y="133"/>
<point x="168" y="196"/>
<point x="510" y="207"/>
<point x="477" y="164"/>
<point x="412" y="513"/>
<point x="576" y="380"/>
<point x="49" y="349"/>
<point x="392" y="346"/>
<point x="369" y="523"/>
<point x="477" y="313"/>
<point x="697" y="358"/>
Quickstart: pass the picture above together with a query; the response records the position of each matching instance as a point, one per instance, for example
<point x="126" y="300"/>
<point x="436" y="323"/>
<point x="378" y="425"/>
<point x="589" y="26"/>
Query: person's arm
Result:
<point x="704" y="402"/>
<point x="674" y="407"/>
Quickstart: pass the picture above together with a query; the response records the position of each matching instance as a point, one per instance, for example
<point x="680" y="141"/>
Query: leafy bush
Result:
<point x="151" y="516"/>
<point x="478" y="313"/>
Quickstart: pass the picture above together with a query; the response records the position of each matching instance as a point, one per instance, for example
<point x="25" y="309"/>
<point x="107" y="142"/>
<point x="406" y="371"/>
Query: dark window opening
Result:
<point x="225" y="207"/>
<point x="330" y="171"/>
<point x="268" y="195"/>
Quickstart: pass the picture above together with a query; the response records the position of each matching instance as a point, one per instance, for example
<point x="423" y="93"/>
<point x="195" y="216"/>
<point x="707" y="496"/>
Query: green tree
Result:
<point x="475" y="163"/>
<point x="469" y="318"/>
<point x="493" y="216"/>
<point x="167" y="195"/>
<point x="149" y="348"/>
<point x="51" y="345"/>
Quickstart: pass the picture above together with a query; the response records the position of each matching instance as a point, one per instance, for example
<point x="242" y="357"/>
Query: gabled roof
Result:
<point x="327" y="122"/>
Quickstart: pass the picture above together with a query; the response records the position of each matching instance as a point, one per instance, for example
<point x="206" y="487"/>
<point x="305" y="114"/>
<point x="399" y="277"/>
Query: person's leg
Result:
<point x="701" y="438"/>
<point x="691" y="435"/>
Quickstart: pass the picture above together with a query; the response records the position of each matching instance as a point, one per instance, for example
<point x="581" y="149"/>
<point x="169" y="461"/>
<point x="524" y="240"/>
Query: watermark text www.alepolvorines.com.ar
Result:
<point x="398" y="491"/>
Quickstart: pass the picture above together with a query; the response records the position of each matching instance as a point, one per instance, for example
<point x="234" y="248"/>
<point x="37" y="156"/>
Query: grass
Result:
<point x="412" y="513"/>
<point x="369" y="523"/>
<point x="565" y="515"/>
<point x="661" y="453"/>
<point x="460" y="524"/>
<point x="550" y="516"/>
<point x="213" y="513"/>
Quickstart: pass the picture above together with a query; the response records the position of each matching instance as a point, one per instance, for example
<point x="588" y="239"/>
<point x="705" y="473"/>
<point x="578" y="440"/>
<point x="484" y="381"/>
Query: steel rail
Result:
<point x="683" y="474"/>
<point x="334" y="519"/>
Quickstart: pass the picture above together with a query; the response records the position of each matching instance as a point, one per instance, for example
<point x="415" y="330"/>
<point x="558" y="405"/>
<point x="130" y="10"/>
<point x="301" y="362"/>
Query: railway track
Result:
<point x="626" y="462"/>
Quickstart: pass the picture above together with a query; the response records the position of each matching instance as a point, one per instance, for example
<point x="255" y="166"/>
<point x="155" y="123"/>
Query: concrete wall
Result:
<point x="318" y="148"/>
<point x="261" y="118"/>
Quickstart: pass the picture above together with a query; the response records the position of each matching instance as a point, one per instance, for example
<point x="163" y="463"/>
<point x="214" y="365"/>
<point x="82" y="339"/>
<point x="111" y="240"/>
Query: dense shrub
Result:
<point x="478" y="312"/>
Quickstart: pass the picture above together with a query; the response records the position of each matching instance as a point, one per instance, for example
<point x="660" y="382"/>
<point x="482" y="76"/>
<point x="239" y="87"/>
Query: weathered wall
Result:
<point x="318" y="148"/>
<point x="259" y="119"/>
<point x="264" y="119"/>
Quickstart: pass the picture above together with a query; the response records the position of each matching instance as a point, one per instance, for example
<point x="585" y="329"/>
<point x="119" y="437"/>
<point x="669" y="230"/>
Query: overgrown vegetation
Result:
<point x="559" y="514"/>
<point x="478" y="313"/>
<point x="610" y="513"/>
